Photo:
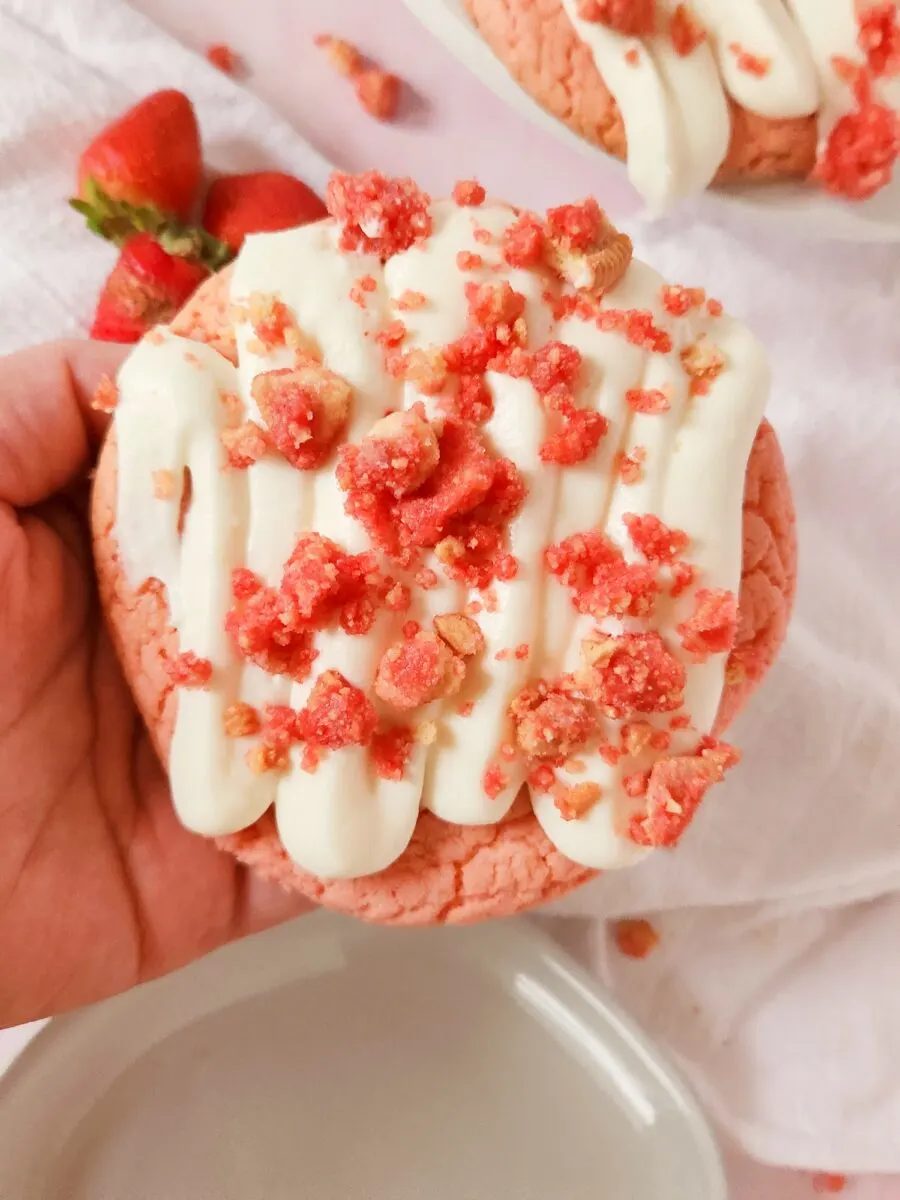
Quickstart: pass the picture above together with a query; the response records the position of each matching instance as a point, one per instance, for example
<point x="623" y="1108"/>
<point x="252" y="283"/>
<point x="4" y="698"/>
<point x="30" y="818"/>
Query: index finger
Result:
<point x="49" y="431"/>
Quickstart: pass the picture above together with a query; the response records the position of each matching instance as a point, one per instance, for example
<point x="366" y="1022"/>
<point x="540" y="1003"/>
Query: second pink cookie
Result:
<point x="714" y="91"/>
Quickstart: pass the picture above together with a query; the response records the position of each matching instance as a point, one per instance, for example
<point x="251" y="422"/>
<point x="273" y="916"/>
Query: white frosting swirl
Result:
<point x="344" y="821"/>
<point x="675" y="108"/>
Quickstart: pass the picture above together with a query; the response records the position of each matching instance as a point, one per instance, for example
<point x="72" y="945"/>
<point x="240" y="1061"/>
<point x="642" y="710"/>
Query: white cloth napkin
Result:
<point x="776" y="980"/>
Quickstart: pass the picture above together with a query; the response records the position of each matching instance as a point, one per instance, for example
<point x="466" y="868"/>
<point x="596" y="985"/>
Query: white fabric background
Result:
<point x="777" y="979"/>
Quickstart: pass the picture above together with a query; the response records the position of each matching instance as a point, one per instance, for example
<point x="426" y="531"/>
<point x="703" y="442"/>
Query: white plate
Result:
<point x="802" y="210"/>
<point x="331" y="1061"/>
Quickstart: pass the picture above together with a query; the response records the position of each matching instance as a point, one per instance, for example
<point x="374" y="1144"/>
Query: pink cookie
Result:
<point x="619" y="717"/>
<point x="690" y="104"/>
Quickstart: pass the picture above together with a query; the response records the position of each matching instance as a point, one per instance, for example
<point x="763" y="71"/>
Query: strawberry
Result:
<point x="147" y="286"/>
<point x="147" y="159"/>
<point x="260" y="202"/>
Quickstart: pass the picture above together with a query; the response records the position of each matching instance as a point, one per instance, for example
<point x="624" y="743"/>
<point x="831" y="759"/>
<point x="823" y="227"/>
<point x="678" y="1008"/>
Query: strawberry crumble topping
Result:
<point x="862" y="149"/>
<point x="637" y="326"/>
<point x="305" y="408"/>
<point x="336" y="714"/>
<point x="631" y="466"/>
<point x="753" y="64"/>
<point x="279" y="727"/>
<point x="398" y="455"/>
<point x="378" y="215"/>
<point x="391" y="750"/>
<point x="712" y="627"/>
<point x="631" y="673"/>
<point x="362" y="288"/>
<point x="274" y="627"/>
<point x="555" y="365"/>
<point x="496" y="333"/>
<point x="272" y="321"/>
<point x="224" y="59"/>
<point x="262" y="758"/>
<point x="824" y="1183"/>
<point x="578" y="434"/>
<point x="584" y="248"/>
<point x="241" y="720"/>
<point x="461" y="633"/>
<point x="655" y="540"/>
<point x="541" y="778"/>
<point x="494" y="780"/>
<point x="634" y="937"/>
<point x="425" y="369"/>
<point x="468" y="193"/>
<point x="574" y="433"/>
<point x="254" y="623"/>
<point x="685" y="31"/>
<point x="244" y="444"/>
<point x="650" y="401"/>
<point x="638" y="736"/>
<point x="576" y="801"/>
<point x="523" y="241"/>
<point x="409" y="301"/>
<point x="600" y="579"/>
<point x="391" y="335"/>
<point x="341" y="54"/>
<point x="467" y="261"/>
<point x="462" y="480"/>
<point x="461" y="509"/>
<point x="682" y="577"/>
<point x="576" y="226"/>
<point x="549" y="723"/>
<point x="634" y="18"/>
<point x="704" y="363"/>
<point x="188" y="671"/>
<point x="634" y="785"/>
<point x="474" y="552"/>
<point x="675" y="788"/>
<point x="427" y="579"/>
<point x="473" y="401"/>
<point x="495" y="308"/>
<point x="679" y="301"/>
<point x="879" y="37"/>
<point x="378" y="92"/>
<point x="418" y="670"/>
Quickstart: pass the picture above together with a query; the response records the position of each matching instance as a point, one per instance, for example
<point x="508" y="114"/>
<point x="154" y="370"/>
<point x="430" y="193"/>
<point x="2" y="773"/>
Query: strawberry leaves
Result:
<point x="118" y="220"/>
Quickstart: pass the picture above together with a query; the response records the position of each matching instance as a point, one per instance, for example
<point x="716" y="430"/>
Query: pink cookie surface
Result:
<point x="536" y="41"/>
<point x="448" y="874"/>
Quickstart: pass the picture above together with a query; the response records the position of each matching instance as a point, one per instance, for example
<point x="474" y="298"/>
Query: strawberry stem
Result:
<point x="118" y="220"/>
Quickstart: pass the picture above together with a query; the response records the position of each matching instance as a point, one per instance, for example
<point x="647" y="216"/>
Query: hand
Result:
<point x="100" y="887"/>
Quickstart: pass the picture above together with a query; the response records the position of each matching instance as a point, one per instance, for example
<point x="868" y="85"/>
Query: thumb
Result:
<point x="48" y="430"/>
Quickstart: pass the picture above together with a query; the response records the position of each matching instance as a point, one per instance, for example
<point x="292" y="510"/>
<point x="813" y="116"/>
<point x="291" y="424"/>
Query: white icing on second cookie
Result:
<point x="343" y="820"/>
